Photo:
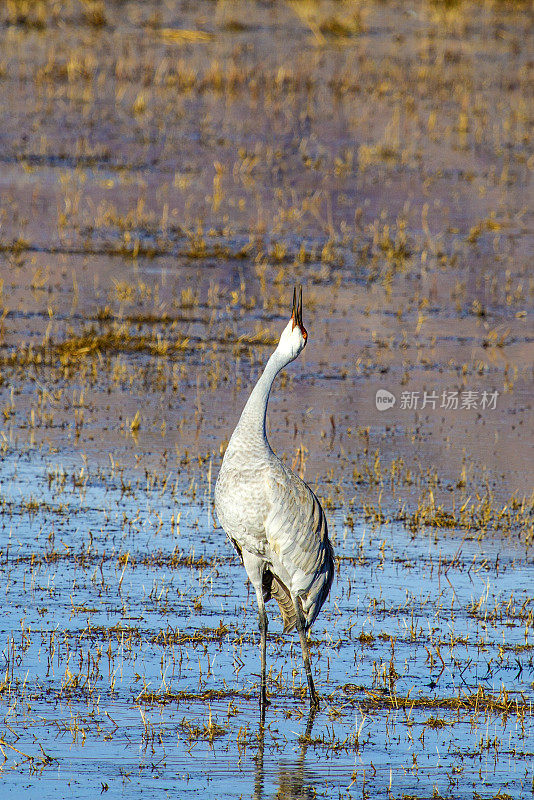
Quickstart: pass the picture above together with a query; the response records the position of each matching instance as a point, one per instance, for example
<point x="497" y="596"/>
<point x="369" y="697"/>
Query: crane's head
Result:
<point x="294" y="336"/>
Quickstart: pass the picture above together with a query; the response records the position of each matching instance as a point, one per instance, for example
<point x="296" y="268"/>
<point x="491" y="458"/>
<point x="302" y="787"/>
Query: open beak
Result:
<point x="296" y="316"/>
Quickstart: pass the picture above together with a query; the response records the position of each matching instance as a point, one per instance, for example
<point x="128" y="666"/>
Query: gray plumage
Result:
<point x="271" y="516"/>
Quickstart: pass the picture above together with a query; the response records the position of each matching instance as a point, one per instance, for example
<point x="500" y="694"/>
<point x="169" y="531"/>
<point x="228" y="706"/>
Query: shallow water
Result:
<point x="161" y="193"/>
<point x="132" y="660"/>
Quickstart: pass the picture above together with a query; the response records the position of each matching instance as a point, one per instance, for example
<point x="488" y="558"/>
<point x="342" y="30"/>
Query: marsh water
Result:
<point x="168" y="172"/>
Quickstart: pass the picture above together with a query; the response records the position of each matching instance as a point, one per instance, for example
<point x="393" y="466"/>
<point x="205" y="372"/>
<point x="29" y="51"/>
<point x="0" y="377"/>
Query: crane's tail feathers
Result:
<point x="273" y="587"/>
<point x="287" y="609"/>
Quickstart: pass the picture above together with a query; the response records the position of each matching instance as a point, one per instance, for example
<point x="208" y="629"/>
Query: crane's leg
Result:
<point x="301" y="627"/>
<point x="263" y="652"/>
<point x="254" y="567"/>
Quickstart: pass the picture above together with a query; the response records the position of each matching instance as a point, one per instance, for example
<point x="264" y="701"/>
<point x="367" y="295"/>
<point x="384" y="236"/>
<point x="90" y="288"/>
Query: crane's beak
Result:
<point x="296" y="315"/>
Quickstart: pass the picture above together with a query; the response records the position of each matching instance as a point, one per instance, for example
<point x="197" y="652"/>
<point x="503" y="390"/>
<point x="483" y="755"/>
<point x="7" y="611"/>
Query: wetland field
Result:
<point x="168" y="171"/>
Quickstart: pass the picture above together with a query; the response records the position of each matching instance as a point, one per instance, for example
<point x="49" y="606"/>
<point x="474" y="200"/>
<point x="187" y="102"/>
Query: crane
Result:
<point x="272" y="517"/>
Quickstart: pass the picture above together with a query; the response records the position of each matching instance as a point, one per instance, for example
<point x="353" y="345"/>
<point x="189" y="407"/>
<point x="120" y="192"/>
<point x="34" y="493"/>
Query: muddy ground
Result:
<point x="168" y="172"/>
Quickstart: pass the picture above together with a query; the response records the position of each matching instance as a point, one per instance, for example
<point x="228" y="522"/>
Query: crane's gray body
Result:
<point x="272" y="517"/>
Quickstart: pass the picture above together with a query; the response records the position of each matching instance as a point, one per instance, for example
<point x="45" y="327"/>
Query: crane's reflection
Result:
<point x="295" y="781"/>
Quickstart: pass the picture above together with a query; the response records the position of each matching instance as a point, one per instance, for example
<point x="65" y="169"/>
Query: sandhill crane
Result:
<point x="272" y="517"/>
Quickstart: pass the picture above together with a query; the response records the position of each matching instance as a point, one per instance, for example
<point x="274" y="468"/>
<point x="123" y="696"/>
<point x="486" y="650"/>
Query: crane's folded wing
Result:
<point x="297" y="537"/>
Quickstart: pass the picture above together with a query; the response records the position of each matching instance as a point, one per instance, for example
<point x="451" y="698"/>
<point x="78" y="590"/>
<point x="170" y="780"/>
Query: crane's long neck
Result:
<point x="251" y="425"/>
